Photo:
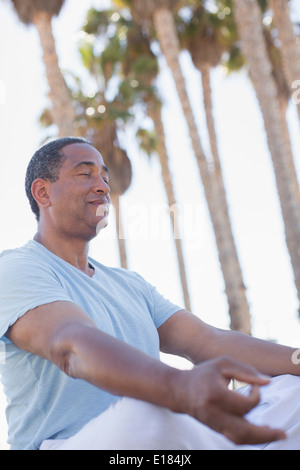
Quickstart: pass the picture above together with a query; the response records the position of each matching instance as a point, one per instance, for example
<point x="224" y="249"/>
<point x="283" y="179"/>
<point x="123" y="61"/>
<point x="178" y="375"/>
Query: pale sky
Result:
<point x="247" y="170"/>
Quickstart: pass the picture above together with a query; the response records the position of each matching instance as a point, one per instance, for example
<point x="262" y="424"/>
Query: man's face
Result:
<point x="80" y="197"/>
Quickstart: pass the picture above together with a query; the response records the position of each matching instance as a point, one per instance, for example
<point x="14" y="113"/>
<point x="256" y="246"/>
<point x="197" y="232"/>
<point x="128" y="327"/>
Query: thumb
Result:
<point x="232" y="369"/>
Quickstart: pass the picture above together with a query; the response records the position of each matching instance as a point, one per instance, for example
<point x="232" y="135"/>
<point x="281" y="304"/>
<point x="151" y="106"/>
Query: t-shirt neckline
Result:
<point x="38" y="244"/>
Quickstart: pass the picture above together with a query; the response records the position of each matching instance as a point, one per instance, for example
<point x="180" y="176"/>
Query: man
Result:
<point x="82" y="340"/>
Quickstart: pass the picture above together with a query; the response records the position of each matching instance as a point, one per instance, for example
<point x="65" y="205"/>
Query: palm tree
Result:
<point x="283" y="95"/>
<point x="40" y="13"/>
<point x="199" y="36"/>
<point x="290" y="50"/>
<point x="139" y="66"/>
<point x="206" y="37"/>
<point x="155" y="112"/>
<point x="160" y="14"/>
<point x="138" y="45"/>
<point x="253" y="46"/>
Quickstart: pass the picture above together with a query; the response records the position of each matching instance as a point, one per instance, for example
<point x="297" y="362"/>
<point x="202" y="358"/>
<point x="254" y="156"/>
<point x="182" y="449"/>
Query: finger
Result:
<point x="237" y="404"/>
<point x="242" y="432"/>
<point x="232" y="369"/>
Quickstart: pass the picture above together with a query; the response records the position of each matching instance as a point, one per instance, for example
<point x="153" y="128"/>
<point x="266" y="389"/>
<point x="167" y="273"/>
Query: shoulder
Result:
<point x="20" y="255"/>
<point x="23" y="261"/>
<point x="29" y="250"/>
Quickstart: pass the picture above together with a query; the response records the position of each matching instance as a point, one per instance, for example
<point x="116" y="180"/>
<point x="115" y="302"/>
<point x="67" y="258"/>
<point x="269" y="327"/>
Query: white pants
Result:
<point x="136" y="425"/>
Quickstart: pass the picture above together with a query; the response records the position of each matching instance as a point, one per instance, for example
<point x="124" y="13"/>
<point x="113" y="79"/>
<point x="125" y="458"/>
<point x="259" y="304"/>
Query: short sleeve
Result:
<point x="25" y="284"/>
<point x="162" y="307"/>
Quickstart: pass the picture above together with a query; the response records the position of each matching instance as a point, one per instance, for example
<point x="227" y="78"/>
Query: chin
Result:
<point x="101" y="225"/>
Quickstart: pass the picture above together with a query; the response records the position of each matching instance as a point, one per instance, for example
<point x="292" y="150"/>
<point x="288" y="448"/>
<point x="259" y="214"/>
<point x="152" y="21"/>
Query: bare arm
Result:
<point x="64" y="334"/>
<point x="186" y="335"/>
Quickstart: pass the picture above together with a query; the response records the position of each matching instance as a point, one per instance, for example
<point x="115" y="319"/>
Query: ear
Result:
<point x="40" y="192"/>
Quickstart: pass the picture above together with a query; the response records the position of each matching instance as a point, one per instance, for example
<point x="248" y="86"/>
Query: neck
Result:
<point x="74" y="251"/>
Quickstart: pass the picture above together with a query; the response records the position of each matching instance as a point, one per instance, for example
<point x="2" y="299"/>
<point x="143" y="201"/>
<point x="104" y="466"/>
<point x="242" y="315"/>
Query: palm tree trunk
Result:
<point x="115" y="200"/>
<point x="248" y="19"/>
<point x="290" y="51"/>
<point x="283" y="106"/>
<point x="235" y="288"/>
<point x="62" y="112"/>
<point x="238" y="305"/>
<point x="155" y="115"/>
<point x="205" y="69"/>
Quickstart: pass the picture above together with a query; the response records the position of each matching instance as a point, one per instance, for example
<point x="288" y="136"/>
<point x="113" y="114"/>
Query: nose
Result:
<point x="101" y="186"/>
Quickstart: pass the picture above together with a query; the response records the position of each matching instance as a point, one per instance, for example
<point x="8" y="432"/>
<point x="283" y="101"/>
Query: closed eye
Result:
<point x="89" y="174"/>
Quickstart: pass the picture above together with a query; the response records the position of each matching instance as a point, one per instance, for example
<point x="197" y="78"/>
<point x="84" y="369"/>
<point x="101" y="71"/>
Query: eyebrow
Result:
<point x="89" y="163"/>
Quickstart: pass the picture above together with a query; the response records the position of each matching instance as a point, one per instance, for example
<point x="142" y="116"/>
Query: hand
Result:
<point x="205" y="395"/>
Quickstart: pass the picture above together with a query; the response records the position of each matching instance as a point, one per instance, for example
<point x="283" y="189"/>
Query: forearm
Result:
<point x="267" y="357"/>
<point x="114" y="366"/>
<point x="186" y="335"/>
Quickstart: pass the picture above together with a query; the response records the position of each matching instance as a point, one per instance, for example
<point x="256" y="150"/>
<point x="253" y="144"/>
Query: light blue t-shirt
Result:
<point x="43" y="402"/>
